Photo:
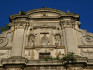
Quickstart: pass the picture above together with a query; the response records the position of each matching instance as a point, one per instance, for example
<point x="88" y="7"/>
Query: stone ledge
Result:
<point x="14" y="60"/>
<point x="43" y="62"/>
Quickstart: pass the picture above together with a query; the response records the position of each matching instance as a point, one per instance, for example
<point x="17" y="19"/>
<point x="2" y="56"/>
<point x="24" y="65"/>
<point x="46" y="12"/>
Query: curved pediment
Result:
<point x="45" y="10"/>
<point x="44" y="13"/>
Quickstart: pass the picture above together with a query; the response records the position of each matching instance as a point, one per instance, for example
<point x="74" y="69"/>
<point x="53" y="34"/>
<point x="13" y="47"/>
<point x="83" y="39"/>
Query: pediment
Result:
<point x="44" y="13"/>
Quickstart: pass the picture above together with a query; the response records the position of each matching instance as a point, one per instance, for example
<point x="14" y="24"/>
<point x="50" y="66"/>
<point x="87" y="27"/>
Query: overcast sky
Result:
<point x="82" y="7"/>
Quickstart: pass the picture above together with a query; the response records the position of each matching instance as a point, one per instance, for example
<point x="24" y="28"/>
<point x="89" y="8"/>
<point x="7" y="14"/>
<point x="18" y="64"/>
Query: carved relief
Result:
<point x="67" y="22"/>
<point x="31" y="40"/>
<point x="87" y="39"/>
<point x="44" y="40"/>
<point x="3" y="41"/>
<point x="57" y="40"/>
<point x="86" y="52"/>
<point x="4" y="53"/>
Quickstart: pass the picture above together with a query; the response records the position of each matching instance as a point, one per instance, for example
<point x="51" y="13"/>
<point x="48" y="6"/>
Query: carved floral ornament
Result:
<point x="87" y="39"/>
<point x="67" y="22"/>
<point x="70" y="22"/>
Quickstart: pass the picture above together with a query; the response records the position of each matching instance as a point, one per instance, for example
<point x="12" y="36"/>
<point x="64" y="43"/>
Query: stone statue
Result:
<point x="57" y="40"/>
<point x="31" y="40"/>
<point x="44" y="40"/>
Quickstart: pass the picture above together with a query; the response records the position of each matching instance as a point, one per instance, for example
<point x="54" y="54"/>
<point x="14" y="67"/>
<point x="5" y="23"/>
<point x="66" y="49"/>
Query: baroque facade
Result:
<point x="45" y="32"/>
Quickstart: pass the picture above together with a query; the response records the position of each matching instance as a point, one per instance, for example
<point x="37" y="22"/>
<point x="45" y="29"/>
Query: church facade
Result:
<point x="41" y="33"/>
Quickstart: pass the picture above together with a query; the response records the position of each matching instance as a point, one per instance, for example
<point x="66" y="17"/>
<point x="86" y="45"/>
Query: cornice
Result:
<point x="61" y="13"/>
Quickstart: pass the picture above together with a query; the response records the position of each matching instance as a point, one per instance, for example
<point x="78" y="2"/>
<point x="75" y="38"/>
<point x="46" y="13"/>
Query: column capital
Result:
<point x="69" y="23"/>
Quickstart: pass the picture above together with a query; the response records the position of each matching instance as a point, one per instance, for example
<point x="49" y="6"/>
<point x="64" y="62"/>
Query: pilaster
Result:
<point x="69" y="35"/>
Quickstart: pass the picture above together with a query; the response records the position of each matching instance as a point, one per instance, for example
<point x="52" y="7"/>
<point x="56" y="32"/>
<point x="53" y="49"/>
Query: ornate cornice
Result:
<point x="42" y="10"/>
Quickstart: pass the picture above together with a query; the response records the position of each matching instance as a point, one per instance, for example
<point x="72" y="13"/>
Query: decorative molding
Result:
<point x="44" y="26"/>
<point x="67" y="23"/>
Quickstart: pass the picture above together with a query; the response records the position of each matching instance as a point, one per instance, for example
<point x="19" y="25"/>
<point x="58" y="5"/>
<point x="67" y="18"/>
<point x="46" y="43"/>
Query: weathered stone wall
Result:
<point x="44" y="30"/>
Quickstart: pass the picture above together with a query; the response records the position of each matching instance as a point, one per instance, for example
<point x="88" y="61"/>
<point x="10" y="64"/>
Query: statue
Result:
<point x="31" y="40"/>
<point x="57" y="40"/>
<point x="44" y="40"/>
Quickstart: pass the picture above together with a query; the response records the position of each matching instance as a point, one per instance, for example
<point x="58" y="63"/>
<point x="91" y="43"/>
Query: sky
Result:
<point x="82" y="7"/>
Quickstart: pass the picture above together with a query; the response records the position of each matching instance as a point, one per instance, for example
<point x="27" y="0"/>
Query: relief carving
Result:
<point x="57" y="40"/>
<point x="4" y="53"/>
<point x="87" y="39"/>
<point x="44" y="40"/>
<point x="86" y="52"/>
<point x="6" y="39"/>
<point x="31" y="40"/>
<point x="68" y="22"/>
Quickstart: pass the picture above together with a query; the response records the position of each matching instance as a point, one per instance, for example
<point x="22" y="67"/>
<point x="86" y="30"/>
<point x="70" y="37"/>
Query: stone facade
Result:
<point x="45" y="32"/>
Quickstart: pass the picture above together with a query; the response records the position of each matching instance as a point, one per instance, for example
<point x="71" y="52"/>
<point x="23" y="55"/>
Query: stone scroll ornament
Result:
<point x="87" y="39"/>
<point x="3" y="41"/>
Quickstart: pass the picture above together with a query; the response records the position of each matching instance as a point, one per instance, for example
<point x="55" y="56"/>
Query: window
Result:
<point x="43" y="55"/>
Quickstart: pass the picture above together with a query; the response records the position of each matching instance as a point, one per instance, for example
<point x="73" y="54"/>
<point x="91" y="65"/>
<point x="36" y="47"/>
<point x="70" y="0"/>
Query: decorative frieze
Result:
<point x="40" y="33"/>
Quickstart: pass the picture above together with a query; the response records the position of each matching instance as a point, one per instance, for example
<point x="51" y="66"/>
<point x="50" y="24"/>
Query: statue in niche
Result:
<point x="31" y="40"/>
<point x="44" y="40"/>
<point x="57" y="40"/>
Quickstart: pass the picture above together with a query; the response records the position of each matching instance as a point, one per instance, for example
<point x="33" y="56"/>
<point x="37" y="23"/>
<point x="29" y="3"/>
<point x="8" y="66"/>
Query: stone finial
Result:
<point x="21" y="12"/>
<point x="68" y="11"/>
